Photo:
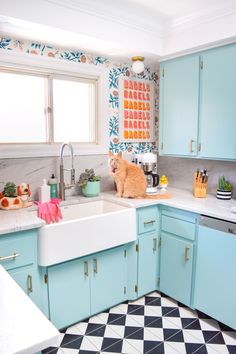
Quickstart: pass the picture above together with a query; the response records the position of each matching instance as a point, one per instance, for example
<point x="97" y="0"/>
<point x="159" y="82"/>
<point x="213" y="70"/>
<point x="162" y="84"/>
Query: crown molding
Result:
<point x="105" y="10"/>
<point x="197" y="49"/>
<point x="200" y="18"/>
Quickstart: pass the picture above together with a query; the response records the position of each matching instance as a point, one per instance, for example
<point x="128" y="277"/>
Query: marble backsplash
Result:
<point x="34" y="170"/>
<point x="178" y="170"/>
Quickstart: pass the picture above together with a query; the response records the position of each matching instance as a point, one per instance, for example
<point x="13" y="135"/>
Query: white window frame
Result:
<point x="24" y="61"/>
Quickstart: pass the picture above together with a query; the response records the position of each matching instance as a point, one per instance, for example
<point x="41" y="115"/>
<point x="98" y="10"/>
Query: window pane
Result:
<point x="73" y="111"/>
<point x="22" y="116"/>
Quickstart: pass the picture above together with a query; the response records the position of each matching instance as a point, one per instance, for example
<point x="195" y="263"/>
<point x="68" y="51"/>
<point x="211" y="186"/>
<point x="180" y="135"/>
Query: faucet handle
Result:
<point x="72" y="176"/>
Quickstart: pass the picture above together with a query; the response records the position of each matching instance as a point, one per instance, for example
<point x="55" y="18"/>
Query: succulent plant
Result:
<point x="9" y="190"/>
<point x="224" y="185"/>
<point x="88" y="175"/>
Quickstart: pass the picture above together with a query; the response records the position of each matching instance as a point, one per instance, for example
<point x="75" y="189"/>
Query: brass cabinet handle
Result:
<point x="12" y="256"/>
<point x="149" y="222"/>
<point x="95" y="265"/>
<point x="30" y="283"/>
<point x="154" y="245"/>
<point x="86" y="272"/>
<point x="186" y="257"/>
<point x="191" y="146"/>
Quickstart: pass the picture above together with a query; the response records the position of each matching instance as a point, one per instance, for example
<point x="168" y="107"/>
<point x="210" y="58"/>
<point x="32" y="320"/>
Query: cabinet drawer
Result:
<point x="180" y="214"/>
<point x="18" y="249"/>
<point x="178" y="227"/>
<point x="147" y="219"/>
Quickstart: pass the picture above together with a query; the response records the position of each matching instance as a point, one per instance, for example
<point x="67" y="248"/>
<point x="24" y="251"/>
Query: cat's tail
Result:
<point x="158" y="196"/>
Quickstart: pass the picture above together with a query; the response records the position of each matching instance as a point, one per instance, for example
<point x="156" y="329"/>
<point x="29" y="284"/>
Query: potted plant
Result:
<point x="224" y="189"/>
<point x="89" y="183"/>
<point x="9" y="198"/>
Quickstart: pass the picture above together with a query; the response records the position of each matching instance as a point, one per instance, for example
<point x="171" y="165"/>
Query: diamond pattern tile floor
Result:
<point x="153" y="324"/>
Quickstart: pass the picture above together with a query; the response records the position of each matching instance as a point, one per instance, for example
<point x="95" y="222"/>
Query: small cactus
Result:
<point x="224" y="185"/>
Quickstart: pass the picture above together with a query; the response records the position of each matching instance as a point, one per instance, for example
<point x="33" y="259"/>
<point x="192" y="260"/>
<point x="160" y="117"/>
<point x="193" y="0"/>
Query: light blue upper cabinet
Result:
<point x="218" y="103"/>
<point x="198" y="105"/>
<point x="179" y="88"/>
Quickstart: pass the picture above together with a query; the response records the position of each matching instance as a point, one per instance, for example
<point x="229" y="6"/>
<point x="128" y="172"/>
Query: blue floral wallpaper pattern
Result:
<point x="115" y="70"/>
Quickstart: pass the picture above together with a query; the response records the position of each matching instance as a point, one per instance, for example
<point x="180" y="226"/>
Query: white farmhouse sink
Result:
<point x="86" y="228"/>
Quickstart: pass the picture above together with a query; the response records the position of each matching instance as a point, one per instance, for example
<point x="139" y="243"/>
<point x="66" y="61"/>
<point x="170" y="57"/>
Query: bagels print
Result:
<point x="136" y="110"/>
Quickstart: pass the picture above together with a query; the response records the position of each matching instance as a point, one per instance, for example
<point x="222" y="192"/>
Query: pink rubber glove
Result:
<point x="57" y="210"/>
<point x="50" y="211"/>
<point x="43" y="211"/>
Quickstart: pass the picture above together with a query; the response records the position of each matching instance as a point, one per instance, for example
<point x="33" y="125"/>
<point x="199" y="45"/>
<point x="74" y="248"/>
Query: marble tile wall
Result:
<point x="34" y="170"/>
<point x="178" y="170"/>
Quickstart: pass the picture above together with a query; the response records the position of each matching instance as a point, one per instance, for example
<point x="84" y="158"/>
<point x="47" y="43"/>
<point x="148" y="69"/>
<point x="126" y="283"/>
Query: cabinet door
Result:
<point x="176" y="268"/>
<point x="27" y="279"/>
<point x="147" y="264"/>
<point x="218" y="103"/>
<point x="69" y="292"/>
<point x="215" y="273"/>
<point x="179" y="106"/>
<point x="109" y="278"/>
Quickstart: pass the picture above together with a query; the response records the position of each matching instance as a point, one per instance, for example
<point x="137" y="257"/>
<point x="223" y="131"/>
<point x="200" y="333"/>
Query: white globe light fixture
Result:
<point x="138" y="64"/>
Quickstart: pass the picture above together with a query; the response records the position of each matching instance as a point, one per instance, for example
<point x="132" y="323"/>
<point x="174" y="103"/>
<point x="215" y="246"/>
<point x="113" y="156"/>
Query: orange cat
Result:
<point x="129" y="178"/>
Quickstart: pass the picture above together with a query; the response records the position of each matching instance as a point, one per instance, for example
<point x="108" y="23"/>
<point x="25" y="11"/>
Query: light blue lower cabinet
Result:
<point x="18" y="255"/>
<point x="108" y="279"/>
<point x="69" y="292"/>
<point x="176" y="268"/>
<point x="27" y="278"/>
<point x="148" y="277"/>
<point x="80" y="288"/>
<point x="215" y="283"/>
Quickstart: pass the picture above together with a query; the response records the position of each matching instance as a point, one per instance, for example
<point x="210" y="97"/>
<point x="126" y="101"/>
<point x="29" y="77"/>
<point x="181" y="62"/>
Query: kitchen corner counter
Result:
<point x="183" y="199"/>
<point x="23" y="327"/>
<point x="25" y="219"/>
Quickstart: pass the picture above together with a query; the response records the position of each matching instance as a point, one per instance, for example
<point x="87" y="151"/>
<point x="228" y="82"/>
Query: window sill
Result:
<point x="46" y="150"/>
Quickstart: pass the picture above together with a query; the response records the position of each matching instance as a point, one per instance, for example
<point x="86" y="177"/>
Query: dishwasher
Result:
<point x="215" y="277"/>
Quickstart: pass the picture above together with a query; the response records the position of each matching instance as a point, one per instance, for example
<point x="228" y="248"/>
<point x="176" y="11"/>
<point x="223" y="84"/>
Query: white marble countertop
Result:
<point x="24" y="219"/>
<point x="23" y="327"/>
<point x="185" y="200"/>
<point x="18" y="220"/>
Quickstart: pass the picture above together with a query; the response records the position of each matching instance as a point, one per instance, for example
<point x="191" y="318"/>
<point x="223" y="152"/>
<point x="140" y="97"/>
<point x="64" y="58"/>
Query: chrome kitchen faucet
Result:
<point x="62" y="185"/>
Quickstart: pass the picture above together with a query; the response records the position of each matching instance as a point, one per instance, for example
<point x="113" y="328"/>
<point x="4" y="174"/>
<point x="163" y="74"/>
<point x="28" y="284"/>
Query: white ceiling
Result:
<point x="122" y="28"/>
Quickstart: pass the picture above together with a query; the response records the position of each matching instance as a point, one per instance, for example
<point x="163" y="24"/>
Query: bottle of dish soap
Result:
<point x="53" y="186"/>
<point x="44" y="192"/>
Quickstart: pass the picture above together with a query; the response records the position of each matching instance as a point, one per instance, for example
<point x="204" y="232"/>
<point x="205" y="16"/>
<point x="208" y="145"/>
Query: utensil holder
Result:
<point x="199" y="187"/>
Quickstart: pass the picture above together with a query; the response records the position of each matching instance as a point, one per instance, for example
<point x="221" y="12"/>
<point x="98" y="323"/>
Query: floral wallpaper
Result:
<point x="115" y="70"/>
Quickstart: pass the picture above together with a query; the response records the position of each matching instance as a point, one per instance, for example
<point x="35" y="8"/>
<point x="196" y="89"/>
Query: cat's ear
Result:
<point x="119" y="154"/>
<point x="110" y="154"/>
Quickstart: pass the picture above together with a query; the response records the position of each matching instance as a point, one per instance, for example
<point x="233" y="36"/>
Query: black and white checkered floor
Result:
<point x="153" y="324"/>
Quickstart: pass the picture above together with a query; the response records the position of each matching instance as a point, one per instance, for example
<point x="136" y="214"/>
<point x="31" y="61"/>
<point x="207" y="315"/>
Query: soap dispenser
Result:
<point x="53" y="186"/>
<point x="44" y="192"/>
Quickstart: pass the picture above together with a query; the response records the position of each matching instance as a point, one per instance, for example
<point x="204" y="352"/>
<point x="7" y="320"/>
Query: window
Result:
<point x="22" y="108"/>
<point x="46" y="101"/>
<point x="74" y="109"/>
<point x="40" y="109"/>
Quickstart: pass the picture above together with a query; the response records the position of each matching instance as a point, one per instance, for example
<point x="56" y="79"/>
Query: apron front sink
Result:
<point x="86" y="228"/>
